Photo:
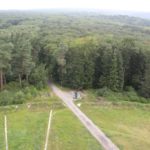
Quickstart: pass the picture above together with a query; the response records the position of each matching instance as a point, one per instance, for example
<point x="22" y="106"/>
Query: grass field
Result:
<point x="27" y="127"/>
<point x="69" y="134"/>
<point x="126" y="123"/>
<point x="1" y="133"/>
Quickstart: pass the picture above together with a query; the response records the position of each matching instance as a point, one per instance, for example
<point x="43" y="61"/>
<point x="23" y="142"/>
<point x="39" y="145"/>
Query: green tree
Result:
<point x="127" y="47"/>
<point x="74" y="76"/>
<point x="113" y="72"/>
<point x="120" y="71"/>
<point x="22" y="62"/>
<point x="111" y="67"/>
<point x="145" y="89"/>
<point x="137" y="65"/>
<point x="38" y="76"/>
<point x="5" y="57"/>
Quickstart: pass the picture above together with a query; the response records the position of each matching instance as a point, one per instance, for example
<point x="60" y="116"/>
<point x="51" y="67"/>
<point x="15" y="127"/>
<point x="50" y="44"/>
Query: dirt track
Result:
<point x="92" y="128"/>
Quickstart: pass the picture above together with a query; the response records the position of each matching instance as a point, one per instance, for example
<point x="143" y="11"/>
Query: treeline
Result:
<point x="115" y="65"/>
<point x="18" y="61"/>
<point x="82" y="63"/>
<point x="72" y="51"/>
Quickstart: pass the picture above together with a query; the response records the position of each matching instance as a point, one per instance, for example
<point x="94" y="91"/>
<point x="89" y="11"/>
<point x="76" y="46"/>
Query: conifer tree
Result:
<point x="120" y="71"/>
<point x="22" y="62"/>
<point x="5" y="57"/>
<point x="113" y="72"/>
<point x="145" y="89"/>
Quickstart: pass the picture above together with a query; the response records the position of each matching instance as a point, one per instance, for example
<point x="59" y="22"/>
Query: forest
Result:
<point x="77" y="50"/>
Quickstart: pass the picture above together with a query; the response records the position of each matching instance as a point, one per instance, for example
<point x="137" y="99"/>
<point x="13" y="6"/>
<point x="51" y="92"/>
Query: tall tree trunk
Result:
<point x="20" y="80"/>
<point x="1" y="79"/>
<point x="4" y="76"/>
<point x="27" y="78"/>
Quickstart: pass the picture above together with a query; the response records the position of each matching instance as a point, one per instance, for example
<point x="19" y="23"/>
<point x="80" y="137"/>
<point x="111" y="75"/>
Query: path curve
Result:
<point x="91" y="127"/>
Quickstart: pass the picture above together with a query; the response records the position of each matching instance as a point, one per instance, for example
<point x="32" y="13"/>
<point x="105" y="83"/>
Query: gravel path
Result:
<point x="91" y="127"/>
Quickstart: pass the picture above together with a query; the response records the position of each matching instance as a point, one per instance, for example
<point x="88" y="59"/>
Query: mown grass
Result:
<point x="2" y="133"/>
<point x="67" y="133"/>
<point x="27" y="130"/>
<point x="126" y="123"/>
<point x="27" y="127"/>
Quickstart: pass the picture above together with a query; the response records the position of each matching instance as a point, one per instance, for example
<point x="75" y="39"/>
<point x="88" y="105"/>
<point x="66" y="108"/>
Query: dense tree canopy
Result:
<point x="76" y="50"/>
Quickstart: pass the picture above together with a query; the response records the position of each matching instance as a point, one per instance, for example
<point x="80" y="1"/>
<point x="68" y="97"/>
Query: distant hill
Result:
<point x="145" y="15"/>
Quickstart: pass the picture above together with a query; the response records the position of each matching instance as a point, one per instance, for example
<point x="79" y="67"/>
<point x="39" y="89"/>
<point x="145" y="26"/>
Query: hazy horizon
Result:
<point x="108" y="5"/>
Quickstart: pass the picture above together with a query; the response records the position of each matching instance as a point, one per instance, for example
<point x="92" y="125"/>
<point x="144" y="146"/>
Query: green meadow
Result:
<point x="126" y="123"/>
<point x="27" y="127"/>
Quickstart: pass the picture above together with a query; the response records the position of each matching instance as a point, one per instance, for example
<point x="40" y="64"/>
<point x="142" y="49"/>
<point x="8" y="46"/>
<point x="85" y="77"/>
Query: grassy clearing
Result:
<point x="27" y="127"/>
<point x="67" y="133"/>
<point x="126" y="123"/>
<point x="2" y="142"/>
<point x="27" y="130"/>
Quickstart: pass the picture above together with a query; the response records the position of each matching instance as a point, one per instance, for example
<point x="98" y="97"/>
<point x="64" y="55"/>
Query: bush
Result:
<point x="30" y="90"/>
<point x="33" y="91"/>
<point x="129" y="95"/>
<point x="28" y="96"/>
<point x="129" y="89"/>
<point x="24" y="84"/>
<point x="5" y="98"/>
<point x="15" y="95"/>
<point x="12" y="86"/>
<point x="38" y="77"/>
<point x="19" y="98"/>
<point x="26" y="90"/>
<point x="132" y="96"/>
<point x="103" y="91"/>
<point x="11" y="97"/>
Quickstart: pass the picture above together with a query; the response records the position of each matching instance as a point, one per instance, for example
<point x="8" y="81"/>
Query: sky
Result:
<point x="127" y="5"/>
